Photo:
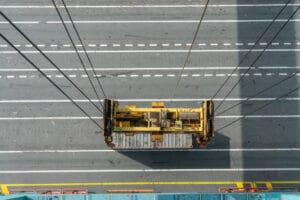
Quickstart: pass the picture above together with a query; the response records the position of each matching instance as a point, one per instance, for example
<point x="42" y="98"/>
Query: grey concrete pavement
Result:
<point x="222" y="44"/>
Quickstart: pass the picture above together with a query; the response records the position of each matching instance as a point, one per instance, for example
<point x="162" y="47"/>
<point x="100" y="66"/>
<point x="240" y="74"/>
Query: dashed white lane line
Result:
<point x="239" y="44"/>
<point x="146" y="75"/>
<point x="176" y="44"/>
<point x="157" y="75"/>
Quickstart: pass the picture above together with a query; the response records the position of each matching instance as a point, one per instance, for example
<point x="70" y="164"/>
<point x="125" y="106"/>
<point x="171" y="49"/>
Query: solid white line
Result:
<point x="94" y="117"/>
<point x="128" y="150"/>
<point x="164" y="21"/>
<point x="152" y="6"/>
<point x="146" y="170"/>
<point x="154" y="51"/>
<point x="21" y="22"/>
<point x="148" y="100"/>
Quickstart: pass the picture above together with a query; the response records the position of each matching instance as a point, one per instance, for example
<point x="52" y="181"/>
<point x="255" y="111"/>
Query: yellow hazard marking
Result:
<point x="4" y="189"/>
<point x="240" y="185"/>
<point x="269" y="185"/>
<point x="253" y="185"/>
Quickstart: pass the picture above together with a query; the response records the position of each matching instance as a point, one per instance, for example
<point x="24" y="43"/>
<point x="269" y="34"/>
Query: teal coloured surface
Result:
<point x="159" y="196"/>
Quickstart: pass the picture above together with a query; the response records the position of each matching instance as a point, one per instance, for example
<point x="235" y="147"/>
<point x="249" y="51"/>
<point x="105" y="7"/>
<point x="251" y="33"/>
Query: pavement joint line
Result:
<point x="144" y="183"/>
<point x="155" y="5"/>
<point x="155" y="150"/>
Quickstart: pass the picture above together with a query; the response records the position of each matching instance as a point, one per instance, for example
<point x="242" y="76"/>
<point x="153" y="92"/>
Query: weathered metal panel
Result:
<point x="143" y="141"/>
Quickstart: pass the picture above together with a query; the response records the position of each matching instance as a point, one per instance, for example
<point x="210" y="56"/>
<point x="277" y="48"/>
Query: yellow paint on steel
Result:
<point x="240" y="185"/>
<point x="149" y="183"/>
<point x="253" y="185"/>
<point x="4" y="189"/>
<point x="269" y="185"/>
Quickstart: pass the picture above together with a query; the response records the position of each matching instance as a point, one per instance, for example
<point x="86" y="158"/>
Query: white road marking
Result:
<point x="165" y="44"/>
<point x="270" y="74"/>
<point x="298" y="43"/>
<point x="116" y="45"/>
<point x="158" y="75"/>
<point x="103" y="45"/>
<point x="207" y="75"/>
<point x="28" y="45"/>
<point x="184" y="75"/>
<point x="251" y="43"/>
<point x="84" y="76"/>
<point x="128" y="45"/>
<point x="149" y="100"/>
<point x="49" y="76"/>
<point x="21" y="22"/>
<point x="3" y="45"/>
<point x="41" y="45"/>
<point x="22" y="76"/>
<point x="239" y="44"/>
<point x="154" y="51"/>
<point x="188" y="44"/>
<point x="17" y="45"/>
<point x="66" y="45"/>
<point x="146" y="170"/>
<point x="220" y="74"/>
<point x="78" y="45"/>
<point x="152" y="6"/>
<point x="153" y="45"/>
<point x="257" y="74"/>
<point x="201" y="44"/>
<point x="170" y="75"/>
<point x="92" y="45"/>
<point x="263" y="43"/>
<point x="53" y="45"/>
<point x="213" y="44"/>
<point x="177" y="44"/>
<point x="72" y="76"/>
<point x="227" y="44"/>
<point x="158" y="21"/>
<point x="146" y="75"/>
<point x="287" y="43"/>
<point x="141" y="45"/>
<point x="134" y="75"/>
<point x="10" y="76"/>
<point x="159" y="150"/>
<point x="282" y="74"/>
<point x="275" y="43"/>
<point x="122" y="76"/>
<point x="196" y="75"/>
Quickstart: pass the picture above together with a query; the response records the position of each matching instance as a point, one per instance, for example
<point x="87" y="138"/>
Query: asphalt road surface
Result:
<point x="138" y="49"/>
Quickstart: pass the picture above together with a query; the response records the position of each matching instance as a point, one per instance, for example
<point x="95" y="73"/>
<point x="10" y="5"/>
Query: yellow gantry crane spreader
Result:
<point x="157" y="127"/>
